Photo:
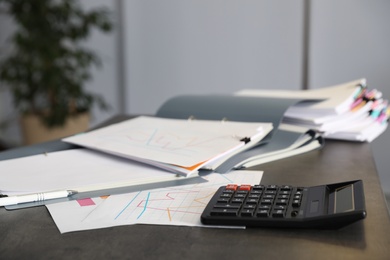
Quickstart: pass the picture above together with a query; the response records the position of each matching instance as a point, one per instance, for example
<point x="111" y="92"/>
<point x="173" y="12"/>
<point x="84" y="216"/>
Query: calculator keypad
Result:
<point x="258" y="201"/>
<point x="285" y="206"/>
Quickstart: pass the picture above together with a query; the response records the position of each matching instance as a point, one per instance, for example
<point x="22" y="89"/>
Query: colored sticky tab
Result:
<point x="245" y="187"/>
<point x="375" y="113"/>
<point x="356" y="103"/>
<point x="359" y="92"/>
<point x="381" y="118"/>
<point x="231" y="187"/>
<point x="86" y="202"/>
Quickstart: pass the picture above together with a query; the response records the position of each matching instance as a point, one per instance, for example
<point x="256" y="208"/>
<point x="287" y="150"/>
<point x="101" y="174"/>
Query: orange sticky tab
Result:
<point x="245" y="187"/>
<point x="231" y="187"/>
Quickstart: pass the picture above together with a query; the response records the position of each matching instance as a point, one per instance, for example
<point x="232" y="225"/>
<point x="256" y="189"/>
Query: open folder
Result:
<point x="214" y="132"/>
<point x="177" y="145"/>
<point x="283" y="141"/>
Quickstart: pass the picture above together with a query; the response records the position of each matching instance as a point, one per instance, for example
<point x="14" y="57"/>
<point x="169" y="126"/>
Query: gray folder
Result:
<point x="237" y="108"/>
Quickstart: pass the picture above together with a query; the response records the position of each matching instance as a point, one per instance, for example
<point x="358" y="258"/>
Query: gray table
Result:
<point x="31" y="233"/>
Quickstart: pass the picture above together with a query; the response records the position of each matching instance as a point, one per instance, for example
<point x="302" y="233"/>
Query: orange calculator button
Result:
<point x="231" y="187"/>
<point x="245" y="187"/>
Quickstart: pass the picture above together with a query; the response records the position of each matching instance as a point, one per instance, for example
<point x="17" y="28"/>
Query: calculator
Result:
<point x="329" y="206"/>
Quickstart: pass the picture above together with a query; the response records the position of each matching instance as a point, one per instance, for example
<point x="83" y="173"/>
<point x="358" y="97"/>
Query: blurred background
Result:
<point x="160" y="49"/>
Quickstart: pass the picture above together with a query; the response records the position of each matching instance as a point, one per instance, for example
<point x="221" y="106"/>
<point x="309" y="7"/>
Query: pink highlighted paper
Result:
<point x="86" y="202"/>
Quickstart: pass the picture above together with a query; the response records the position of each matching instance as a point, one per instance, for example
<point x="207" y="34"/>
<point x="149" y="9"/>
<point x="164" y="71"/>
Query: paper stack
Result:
<point x="349" y="111"/>
<point x="179" y="146"/>
<point x="283" y="141"/>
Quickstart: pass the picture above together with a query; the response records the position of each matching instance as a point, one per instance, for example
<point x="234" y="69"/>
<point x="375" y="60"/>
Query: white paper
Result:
<point x="335" y="99"/>
<point x="76" y="169"/>
<point x="178" y="205"/>
<point x="173" y="142"/>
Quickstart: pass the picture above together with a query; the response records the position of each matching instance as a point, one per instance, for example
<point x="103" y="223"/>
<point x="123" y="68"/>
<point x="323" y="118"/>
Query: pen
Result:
<point x="42" y="196"/>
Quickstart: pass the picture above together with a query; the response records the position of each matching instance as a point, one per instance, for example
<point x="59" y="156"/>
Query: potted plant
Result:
<point x="49" y="66"/>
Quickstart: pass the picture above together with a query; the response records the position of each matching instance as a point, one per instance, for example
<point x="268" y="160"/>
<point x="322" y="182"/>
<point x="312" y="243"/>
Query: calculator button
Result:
<point x="262" y="213"/>
<point x="227" y="195"/>
<point x="266" y="201"/>
<point x="231" y="187"/>
<point x="296" y="203"/>
<point x="280" y="207"/>
<point x="281" y="202"/>
<point x="285" y="188"/>
<point x="228" y="191"/>
<point x="223" y="200"/>
<point x="267" y="207"/>
<point x="272" y="187"/>
<point x="258" y="187"/>
<point x="237" y="200"/>
<point x="252" y="201"/>
<point x="226" y="206"/>
<point x="224" y="212"/>
<point x="269" y="196"/>
<point x="256" y="192"/>
<point x="270" y="192"/>
<point x="254" y="196"/>
<point x="240" y="196"/>
<point x="249" y="206"/>
<point x="245" y="187"/>
<point x="278" y="214"/>
<point x="247" y="212"/>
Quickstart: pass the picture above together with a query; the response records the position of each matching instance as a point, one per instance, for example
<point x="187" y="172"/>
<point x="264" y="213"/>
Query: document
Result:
<point x="349" y="111"/>
<point x="285" y="143"/>
<point x="321" y="101"/>
<point x="283" y="139"/>
<point x="180" y="146"/>
<point x="178" y="205"/>
<point x="77" y="169"/>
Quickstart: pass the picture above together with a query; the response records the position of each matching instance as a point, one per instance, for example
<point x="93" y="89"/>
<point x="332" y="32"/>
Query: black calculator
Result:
<point x="328" y="206"/>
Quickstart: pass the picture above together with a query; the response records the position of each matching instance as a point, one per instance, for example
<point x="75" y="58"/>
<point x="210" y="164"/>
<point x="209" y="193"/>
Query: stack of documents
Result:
<point x="349" y="111"/>
<point x="283" y="141"/>
<point x="177" y="145"/>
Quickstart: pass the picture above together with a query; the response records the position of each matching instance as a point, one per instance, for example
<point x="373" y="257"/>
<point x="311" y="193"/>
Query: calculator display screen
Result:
<point x="344" y="199"/>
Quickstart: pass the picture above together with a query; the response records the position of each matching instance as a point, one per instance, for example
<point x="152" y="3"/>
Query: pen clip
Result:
<point x="245" y="140"/>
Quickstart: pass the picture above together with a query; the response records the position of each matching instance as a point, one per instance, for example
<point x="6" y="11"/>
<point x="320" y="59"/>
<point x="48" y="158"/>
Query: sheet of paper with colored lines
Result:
<point x="178" y="205"/>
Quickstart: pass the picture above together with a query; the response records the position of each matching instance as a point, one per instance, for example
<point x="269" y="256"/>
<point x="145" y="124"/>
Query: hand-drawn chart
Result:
<point x="178" y="205"/>
<point x="167" y="206"/>
<point x="171" y="141"/>
<point x="175" y="205"/>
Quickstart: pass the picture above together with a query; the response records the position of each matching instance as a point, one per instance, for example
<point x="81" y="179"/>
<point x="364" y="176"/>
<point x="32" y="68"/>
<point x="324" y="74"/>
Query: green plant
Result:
<point x="49" y="66"/>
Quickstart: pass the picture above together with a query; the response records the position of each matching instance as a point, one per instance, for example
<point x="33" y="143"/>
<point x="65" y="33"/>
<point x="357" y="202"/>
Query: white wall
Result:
<point x="105" y="80"/>
<point x="178" y="47"/>
<point x="350" y="39"/>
